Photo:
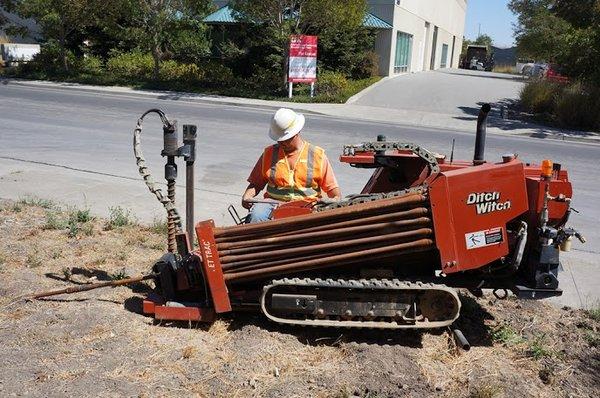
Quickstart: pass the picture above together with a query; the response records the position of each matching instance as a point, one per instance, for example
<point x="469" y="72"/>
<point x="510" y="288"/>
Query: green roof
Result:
<point x="224" y="15"/>
<point x="371" y="21"/>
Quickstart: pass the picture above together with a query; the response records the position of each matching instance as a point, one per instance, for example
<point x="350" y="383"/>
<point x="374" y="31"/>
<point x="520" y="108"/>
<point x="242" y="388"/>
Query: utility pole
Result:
<point x="479" y="31"/>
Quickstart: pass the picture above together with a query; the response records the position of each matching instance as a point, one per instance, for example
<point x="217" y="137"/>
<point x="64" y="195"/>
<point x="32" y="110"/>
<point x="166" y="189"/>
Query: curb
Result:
<point x="181" y="95"/>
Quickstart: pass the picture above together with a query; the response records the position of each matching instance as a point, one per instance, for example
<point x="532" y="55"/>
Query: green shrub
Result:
<point x="577" y="107"/>
<point x="331" y="84"/>
<point x="215" y="73"/>
<point x="133" y="64"/>
<point x="368" y="66"/>
<point x="119" y="217"/>
<point x="539" y="96"/>
<point x="90" y="64"/>
<point x="174" y="71"/>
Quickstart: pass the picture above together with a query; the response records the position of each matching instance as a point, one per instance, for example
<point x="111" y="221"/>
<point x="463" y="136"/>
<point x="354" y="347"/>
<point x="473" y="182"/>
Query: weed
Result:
<point x="33" y="259"/>
<point x="53" y="221"/>
<point x="538" y="349"/>
<point x="35" y="201"/>
<point x="594" y="313"/>
<point x="506" y="335"/>
<point x="119" y="217"/>
<point x="122" y="256"/>
<point x="159" y="226"/>
<point x="87" y="229"/>
<point x="16" y="208"/>
<point x="56" y="254"/>
<point x="486" y="391"/>
<point x="81" y="216"/>
<point x="118" y="275"/>
<point x="73" y="227"/>
<point x="592" y="338"/>
<point x="67" y="273"/>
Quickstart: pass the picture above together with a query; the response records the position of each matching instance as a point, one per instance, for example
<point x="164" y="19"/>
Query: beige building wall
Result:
<point x="419" y="19"/>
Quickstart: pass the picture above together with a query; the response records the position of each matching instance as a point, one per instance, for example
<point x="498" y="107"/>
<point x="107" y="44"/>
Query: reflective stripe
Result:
<point x="292" y="193"/>
<point x="274" y="156"/>
<point x="310" y="166"/>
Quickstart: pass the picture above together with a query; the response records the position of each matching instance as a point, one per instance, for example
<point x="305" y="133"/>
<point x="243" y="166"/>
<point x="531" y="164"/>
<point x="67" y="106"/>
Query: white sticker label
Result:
<point x="484" y="238"/>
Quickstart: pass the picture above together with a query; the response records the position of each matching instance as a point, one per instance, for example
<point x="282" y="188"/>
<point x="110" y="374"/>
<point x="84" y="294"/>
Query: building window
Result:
<point x="444" y="60"/>
<point x="403" y="52"/>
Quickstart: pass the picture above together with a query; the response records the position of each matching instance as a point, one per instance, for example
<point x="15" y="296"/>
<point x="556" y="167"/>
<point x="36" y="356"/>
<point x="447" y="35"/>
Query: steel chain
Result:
<point x="350" y="150"/>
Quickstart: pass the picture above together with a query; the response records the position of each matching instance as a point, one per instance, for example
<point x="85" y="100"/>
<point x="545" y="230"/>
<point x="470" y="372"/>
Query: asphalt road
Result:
<point x="75" y="147"/>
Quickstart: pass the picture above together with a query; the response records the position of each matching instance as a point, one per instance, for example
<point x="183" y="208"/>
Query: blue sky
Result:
<point x="495" y="19"/>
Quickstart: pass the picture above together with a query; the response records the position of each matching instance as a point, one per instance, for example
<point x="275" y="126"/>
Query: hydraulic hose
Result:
<point x="172" y="213"/>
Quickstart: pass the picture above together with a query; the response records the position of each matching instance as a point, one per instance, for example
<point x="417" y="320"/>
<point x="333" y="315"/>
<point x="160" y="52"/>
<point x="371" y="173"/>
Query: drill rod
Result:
<point x="91" y="286"/>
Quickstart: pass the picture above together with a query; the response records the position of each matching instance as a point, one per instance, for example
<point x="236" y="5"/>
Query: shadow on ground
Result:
<point x="514" y="119"/>
<point x="471" y="323"/>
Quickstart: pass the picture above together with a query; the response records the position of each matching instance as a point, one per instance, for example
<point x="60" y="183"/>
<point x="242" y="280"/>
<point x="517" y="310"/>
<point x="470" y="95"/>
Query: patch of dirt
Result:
<point x="97" y="343"/>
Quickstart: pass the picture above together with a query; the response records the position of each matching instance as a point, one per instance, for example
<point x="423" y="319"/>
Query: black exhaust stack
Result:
<point x="478" y="157"/>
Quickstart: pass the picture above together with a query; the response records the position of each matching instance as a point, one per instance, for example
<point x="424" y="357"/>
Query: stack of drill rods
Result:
<point x="317" y="219"/>
<point x="327" y="234"/>
<point x="282" y="256"/>
<point x="332" y="261"/>
<point x="362" y="233"/>
<point x="409" y="214"/>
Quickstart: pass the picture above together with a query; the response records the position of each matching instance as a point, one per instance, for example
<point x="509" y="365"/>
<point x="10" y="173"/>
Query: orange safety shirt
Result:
<point x="302" y="174"/>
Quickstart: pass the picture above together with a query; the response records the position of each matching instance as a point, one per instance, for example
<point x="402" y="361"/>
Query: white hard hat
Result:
<point x="285" y="124"/>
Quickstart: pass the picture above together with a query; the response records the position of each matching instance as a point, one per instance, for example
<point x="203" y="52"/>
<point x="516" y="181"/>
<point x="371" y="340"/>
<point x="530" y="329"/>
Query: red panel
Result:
<point x="470" y="229"/>
<point x="294" y="208"/>
<point x="163" y="312"/>
<point x="212" y="266"/>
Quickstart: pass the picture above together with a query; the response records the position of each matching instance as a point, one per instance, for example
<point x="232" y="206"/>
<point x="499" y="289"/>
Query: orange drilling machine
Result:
<point x="390" y="257"/>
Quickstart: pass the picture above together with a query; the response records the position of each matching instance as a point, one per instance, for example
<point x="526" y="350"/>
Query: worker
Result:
<point x="291" y="169"/>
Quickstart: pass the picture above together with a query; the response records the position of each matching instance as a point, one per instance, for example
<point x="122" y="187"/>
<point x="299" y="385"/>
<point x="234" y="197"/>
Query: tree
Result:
<point x="59" y="19"/>
<point x="168" y="27"/>
<point x="484" y="40"/>
<point x="566" y="32"/>
<point x="338" y="23"/>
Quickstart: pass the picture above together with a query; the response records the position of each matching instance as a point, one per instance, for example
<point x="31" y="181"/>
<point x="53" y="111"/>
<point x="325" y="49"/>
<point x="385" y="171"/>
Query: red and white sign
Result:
<point x="303" y="59"/>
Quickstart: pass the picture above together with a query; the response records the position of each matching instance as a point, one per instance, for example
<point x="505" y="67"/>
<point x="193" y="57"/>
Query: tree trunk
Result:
<point x="156" y="57"/>
<point x="62" y="42"/>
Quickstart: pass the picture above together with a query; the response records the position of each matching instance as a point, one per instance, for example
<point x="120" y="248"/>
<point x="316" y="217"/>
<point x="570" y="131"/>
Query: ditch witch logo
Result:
<point x="487" y="202"/>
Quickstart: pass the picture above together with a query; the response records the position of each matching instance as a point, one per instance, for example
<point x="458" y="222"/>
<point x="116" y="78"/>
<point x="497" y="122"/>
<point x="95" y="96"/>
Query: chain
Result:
<point x="382" y="146"/>
<point x="172" y="212"/>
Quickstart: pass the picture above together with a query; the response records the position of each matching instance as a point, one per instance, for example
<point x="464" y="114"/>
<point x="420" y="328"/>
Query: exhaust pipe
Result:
<point x="478" y="157"/>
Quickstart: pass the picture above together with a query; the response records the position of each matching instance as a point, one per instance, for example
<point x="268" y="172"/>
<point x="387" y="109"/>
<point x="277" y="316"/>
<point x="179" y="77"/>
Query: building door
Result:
<point x="452" y="53"/>
<point x="444" y="60"/>
<point x="433" y="48"/>
<point x="403" y="52"/>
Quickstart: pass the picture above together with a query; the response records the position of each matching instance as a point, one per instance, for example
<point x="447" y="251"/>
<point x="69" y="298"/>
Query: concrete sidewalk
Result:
<point x="407" y="117"/>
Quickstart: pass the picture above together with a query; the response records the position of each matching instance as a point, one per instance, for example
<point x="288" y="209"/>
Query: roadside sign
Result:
<point x="303" y="59"/>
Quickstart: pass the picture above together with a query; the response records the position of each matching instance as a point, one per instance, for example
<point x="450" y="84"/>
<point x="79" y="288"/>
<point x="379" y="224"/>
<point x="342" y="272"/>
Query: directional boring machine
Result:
<point x="390" y="257"/>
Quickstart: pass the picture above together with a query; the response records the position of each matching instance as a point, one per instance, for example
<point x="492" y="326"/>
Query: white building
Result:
<point x="425" y="34"/>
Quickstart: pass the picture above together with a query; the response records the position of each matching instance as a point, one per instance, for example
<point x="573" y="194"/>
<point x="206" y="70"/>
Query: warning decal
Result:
<point x="484" y="238"/>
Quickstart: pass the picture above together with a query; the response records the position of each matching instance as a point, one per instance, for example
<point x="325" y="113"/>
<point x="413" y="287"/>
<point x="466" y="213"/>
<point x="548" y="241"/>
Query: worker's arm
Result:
<point x="250" y="192"/>
<point x="335" y="193"/>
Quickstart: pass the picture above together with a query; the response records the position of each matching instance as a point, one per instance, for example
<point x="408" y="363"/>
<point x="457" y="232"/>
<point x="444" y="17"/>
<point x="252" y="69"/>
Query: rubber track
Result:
<point x="366" y="284"/>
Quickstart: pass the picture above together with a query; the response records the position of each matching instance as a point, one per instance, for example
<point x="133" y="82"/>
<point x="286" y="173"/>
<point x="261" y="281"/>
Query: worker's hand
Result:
<point x="245" y="202"/>
<point x="248" y="194"/>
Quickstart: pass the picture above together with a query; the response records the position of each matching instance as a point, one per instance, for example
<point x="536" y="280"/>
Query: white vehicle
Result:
<point x="476" y="65"/>
<point x="14" y="53"/>
<point x="525" y="66"/>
